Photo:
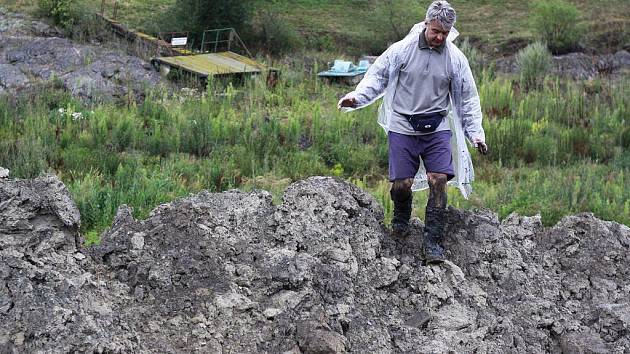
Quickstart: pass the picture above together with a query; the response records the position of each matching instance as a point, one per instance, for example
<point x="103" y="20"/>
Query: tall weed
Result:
<point x="249" y="136"/>
<point x="534" y="63"/>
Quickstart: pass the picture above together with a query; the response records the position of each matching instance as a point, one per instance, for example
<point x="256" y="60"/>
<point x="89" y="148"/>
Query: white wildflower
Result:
<point x="77" y="116"/>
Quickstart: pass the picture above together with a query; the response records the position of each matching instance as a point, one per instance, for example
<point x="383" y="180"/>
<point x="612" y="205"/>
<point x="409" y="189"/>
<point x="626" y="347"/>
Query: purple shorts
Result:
<point x="405" y="152"/>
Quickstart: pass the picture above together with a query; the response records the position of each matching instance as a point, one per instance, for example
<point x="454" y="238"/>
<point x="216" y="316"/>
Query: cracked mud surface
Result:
<point x="233" y="273"/>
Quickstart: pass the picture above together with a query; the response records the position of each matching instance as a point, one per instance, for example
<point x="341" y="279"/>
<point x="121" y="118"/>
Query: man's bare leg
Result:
<point x="435" y="218"/>
<point x="402" y="197"/>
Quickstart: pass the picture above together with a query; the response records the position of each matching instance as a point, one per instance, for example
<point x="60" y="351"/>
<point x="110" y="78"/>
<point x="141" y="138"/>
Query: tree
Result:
<point x="397" y="17"/>
<point x="195" y="16"/>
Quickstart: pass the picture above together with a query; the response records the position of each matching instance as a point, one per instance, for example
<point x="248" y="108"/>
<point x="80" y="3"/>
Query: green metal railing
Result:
<point x="222" y="39"/>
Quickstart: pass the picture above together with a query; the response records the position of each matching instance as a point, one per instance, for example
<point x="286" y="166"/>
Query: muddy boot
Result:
<point x="435" y="220"/>
<point x="402" y="213"/>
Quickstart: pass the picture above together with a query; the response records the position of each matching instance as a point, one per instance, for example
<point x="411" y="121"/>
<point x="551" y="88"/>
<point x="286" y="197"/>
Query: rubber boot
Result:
<point x="435" y="220"/>
<point x="402" y="213"/>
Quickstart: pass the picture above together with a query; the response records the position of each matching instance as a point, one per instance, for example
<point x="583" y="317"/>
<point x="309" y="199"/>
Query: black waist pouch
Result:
<point x="424" y="123"/>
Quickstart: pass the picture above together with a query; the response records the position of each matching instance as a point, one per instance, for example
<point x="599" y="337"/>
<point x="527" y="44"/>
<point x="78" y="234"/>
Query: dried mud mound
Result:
<point x="233" y="273"/>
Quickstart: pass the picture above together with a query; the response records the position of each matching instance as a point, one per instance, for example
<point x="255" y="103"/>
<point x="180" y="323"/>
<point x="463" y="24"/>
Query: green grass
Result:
<point x="353" y="26"/>
<point x="552" y="192"/>
<point x="555" y="151"/>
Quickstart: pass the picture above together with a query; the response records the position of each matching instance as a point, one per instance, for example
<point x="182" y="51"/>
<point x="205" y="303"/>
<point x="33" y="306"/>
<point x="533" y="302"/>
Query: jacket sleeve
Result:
<point x="373" y="85"/>
<point x="470" y="106"/>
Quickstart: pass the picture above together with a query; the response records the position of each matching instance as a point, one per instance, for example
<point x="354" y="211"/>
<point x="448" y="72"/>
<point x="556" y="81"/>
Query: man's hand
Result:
<point x="481" y="146"/>
<point x="347" y="102"/>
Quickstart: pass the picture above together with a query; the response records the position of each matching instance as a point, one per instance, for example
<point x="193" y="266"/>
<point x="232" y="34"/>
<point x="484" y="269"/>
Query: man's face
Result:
<point x="435" y="34"/>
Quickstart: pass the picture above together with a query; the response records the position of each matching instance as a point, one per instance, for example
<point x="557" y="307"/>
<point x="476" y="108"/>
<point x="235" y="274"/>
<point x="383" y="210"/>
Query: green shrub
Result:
<point x="395" y="18"/>
<point x="63" y="12"/>
<point x="476" y="58"/>
<point x="538" y="148"/>
<point x="274" y="35"/>
<point x="556" y="22"/>
<point x="75" y="17"/>
<point x="197" y="16"/>
<point x="88" y="192"/>
<point x="123" y="134"/>
<point x="534" y="62"/>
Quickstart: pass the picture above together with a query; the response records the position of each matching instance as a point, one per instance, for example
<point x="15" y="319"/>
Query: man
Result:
<point x="430" y="104"/>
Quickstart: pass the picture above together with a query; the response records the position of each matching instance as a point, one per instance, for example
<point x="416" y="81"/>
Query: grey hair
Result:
<point x="443" y="12"/>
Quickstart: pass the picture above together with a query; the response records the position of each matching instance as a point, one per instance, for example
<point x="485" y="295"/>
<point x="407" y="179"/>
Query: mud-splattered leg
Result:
<point x="402" y="197"/>
<point x="435" y="218"/>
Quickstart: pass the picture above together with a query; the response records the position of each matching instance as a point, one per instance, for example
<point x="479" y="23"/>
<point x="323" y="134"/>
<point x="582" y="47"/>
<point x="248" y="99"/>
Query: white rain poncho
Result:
<point x="464" y="113"/>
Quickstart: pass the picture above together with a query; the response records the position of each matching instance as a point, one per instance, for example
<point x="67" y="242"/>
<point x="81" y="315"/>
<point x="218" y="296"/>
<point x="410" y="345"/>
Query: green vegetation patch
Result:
<point x="361" y="26"/>
<point x="553" y="149"/>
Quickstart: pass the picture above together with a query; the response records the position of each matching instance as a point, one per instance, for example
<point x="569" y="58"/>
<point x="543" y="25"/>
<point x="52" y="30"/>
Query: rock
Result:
<point x="614" y="320"/>
<point x="578" y="65"/>
<point x="318" y="273"/>
<point x="45" y="293"/>
<point x="4" y="173"/>
<point x="11" y="77"/>
<point x="32" y="52"/>
<point x="318" y="338"/>
<point x="137" y="241"/>
<point x="91" y="86"/>
<point x="582" y="343"/>
<point x="621" y="60"/>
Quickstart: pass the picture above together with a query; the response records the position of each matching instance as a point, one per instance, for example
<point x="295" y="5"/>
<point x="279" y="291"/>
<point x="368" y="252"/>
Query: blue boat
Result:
<point x="345" y="71"/>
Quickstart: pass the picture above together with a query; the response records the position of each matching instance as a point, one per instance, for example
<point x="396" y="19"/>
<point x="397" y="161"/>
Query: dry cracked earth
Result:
<point x="319" y="273"/>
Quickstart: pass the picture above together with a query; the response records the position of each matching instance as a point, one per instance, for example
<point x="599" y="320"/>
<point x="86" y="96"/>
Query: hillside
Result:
<point x="363" y="26"/>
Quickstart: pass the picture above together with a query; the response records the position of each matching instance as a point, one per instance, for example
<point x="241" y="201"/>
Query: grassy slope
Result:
<point x="498" y="26"/>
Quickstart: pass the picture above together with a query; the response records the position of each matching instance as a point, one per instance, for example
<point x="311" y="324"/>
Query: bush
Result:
<point x="396" y="17"/>
<point x="123" y="134"/>
<point x="75" y="17"/>
<point x="197" y="16"/>
<point x="476" y="59"/>
<point x="63" y="12"/>
<point x="275" y="36"/>
<point x="534" y="62"/>
<point x="556" y="22"/>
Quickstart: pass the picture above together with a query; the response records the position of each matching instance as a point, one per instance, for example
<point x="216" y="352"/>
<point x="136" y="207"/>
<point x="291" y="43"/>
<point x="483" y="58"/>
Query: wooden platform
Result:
<point x="166" y="57"/>
<point x="210" y="64"/>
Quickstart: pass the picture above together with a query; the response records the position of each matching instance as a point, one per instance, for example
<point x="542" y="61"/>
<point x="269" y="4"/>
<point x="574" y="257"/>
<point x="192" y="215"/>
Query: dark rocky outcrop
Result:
<point x="231" y="272"/>
<point x="32" y="52"/>
<point x="579" y="65"/>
